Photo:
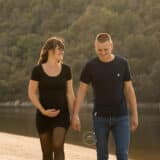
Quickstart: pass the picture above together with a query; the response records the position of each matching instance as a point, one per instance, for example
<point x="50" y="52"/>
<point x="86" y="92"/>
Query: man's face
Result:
<point x="103" y="49"/>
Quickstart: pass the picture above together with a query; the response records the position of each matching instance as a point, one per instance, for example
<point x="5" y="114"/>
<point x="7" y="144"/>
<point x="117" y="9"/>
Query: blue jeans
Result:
<point x="121" y="134"/>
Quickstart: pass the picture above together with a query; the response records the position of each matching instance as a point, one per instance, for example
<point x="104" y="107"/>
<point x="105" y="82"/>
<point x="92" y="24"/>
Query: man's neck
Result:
<point x="108" y="58"/>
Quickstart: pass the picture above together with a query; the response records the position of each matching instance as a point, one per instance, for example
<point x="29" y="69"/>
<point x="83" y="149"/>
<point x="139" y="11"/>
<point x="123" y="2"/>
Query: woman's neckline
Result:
<point x="51" y="76"/>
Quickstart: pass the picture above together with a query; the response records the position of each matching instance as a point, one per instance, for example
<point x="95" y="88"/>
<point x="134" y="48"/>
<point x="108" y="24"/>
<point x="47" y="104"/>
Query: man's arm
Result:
<point x="77" y="105"/>
<point x="131" y="99"/>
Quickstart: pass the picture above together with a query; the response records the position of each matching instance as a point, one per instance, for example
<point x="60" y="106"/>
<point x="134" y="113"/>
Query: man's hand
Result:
<point x="133" y="122"/>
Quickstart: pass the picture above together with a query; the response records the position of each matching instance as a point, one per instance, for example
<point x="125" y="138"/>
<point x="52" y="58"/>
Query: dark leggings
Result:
<point x="53" y="142"/>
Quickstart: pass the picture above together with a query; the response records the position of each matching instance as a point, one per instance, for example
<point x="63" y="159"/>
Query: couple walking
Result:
<point x="51" y="92"/>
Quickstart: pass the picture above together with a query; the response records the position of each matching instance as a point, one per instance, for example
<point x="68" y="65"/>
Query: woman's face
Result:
<point x="58" y="53"/>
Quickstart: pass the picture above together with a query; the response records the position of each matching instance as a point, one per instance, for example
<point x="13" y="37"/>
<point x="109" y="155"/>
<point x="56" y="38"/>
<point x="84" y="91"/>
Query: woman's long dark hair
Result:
<point x="51" y="43"/>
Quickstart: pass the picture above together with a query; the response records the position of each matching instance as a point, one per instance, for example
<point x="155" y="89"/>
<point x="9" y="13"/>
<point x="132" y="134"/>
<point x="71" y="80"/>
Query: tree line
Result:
<point x="25" y="25"/>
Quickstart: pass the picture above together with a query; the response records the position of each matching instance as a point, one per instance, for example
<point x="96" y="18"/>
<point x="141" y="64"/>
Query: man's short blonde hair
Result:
<point x="103" y="37"/>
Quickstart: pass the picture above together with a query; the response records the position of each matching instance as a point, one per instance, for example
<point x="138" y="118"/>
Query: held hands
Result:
<point x="51" y="112"/>
<point x="75" y="121"/>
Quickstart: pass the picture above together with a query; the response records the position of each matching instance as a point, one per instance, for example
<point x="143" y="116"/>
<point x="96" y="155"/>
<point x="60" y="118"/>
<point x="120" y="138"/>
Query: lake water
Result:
<point x="145" y="142"/>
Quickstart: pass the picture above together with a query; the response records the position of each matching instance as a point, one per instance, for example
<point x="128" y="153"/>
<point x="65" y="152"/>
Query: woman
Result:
<point x="51" y="92"/>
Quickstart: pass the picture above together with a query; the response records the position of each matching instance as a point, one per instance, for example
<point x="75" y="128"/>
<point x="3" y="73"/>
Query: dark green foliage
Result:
<point x="25" y="25"/>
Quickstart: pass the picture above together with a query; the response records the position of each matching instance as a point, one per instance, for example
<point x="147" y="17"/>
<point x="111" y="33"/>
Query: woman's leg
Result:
<point x="58" y="138"/>
<point x="46" y="145"/>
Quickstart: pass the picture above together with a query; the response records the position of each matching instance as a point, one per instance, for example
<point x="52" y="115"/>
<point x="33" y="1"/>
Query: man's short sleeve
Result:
<point x="85" y="74"/>
<point x="127" y="74"/>
<point x="35" y="74"/>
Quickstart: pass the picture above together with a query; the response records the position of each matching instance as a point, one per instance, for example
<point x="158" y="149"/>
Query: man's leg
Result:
<point x="101" y="133"/>
<point x="121" y="135"/>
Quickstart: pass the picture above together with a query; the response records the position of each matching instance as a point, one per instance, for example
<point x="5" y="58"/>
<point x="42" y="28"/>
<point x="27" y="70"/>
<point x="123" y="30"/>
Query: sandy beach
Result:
<point x="15" y="147"/>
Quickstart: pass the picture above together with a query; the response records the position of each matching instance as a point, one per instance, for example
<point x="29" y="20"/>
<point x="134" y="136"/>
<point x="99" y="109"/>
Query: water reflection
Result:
<point x="144" y="142"/>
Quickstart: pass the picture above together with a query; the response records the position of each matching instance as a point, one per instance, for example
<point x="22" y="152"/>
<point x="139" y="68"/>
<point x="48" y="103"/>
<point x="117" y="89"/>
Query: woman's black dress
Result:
<point x="52" y="94"/>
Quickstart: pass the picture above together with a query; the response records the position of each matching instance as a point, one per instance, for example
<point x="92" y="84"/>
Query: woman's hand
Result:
<point x="51" y="112"/>
<point x="75" y="122"/>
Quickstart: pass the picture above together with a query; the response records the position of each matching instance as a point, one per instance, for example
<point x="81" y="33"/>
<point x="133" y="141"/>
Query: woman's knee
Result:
<point x="58" y="147"/>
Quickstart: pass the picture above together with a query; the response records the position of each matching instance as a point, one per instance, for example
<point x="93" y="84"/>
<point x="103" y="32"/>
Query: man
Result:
<point x="111" y="81"/>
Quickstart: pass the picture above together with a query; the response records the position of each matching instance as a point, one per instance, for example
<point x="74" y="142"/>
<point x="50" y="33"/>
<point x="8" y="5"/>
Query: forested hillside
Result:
<point x="26" y="24"/>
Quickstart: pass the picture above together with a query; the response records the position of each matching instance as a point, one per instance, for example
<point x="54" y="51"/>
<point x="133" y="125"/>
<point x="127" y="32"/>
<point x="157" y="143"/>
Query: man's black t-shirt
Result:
<point x="107" y="79"/>
<point x="52" y="89"/>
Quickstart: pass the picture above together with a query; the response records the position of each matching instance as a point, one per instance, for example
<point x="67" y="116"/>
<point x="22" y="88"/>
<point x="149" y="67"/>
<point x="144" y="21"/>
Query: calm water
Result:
<point x="145" y="142"/>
